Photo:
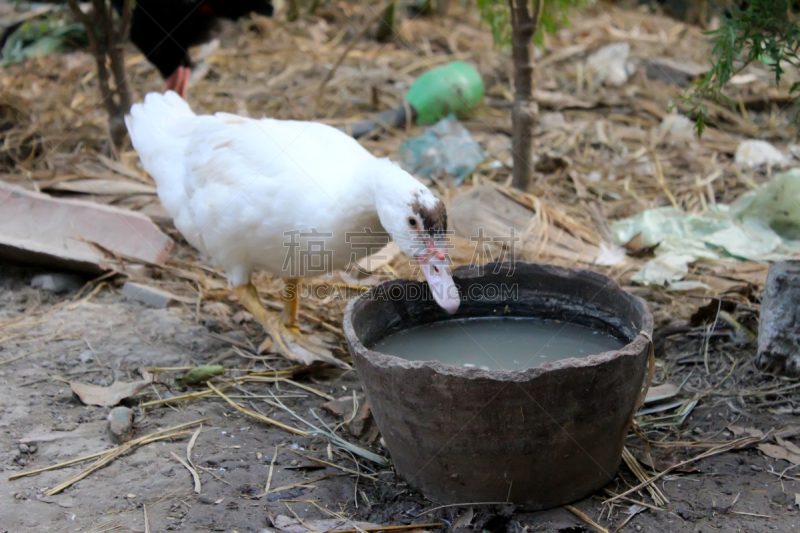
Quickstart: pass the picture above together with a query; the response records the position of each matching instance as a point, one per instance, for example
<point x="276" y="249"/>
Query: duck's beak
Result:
<point x="437" y="273"/>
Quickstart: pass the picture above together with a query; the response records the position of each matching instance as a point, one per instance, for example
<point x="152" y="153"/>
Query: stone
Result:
<point x="779" y="324"/>
<point x="667" y="70"/>
<point x="149" y="296"/>
<point x="60" y="233"/>
<point x="86" y="356"/>
<point x="363" y="420"/>
<point x="678" y="126"/>
<point x="342" y="406"/>
<point x="120" y="424"/>
<point x="58" y="282"/>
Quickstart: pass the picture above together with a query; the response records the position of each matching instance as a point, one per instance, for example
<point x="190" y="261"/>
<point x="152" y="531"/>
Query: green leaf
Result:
<point x="763" y="31"/>
<point x="497" y="15"/>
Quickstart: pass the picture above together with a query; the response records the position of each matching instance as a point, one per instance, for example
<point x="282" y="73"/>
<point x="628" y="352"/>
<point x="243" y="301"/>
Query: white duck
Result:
<point x="252" y="193"/>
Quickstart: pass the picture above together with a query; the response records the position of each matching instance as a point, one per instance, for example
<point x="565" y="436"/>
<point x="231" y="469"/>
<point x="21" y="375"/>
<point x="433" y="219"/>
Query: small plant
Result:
<point x="759" y="30"/>
<point x="518" y="23"/>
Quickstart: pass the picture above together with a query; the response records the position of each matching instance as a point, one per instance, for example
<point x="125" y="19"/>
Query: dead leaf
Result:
<point x="788" y="445"/>
<point x="780" y="452"/>
<point x="637" y="248"/>
<point x="107" y="396"/>
<point x="463" y="521"/>
<point x="292" y="525"/>
<point x="750" y="432"/>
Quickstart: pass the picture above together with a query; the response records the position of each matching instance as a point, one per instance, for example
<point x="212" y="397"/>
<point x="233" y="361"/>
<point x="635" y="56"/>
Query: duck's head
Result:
<point x="417" y="222"/>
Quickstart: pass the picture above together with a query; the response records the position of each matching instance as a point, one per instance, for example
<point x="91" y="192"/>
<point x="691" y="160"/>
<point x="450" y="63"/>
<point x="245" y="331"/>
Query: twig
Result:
<point x="752" y="514"/>
<point x="271" y="470"/>
<point x="209" y="472"/>
<point x="191" y="471"/>
<point x="146" y="521"/>
<point x="293" y="485"/>
<point x="429" y="511"/>
<point x="739" y="443"/>
<point x="586" y="519"/>
<point x="191" y="444"/>
<point x="258" y="416"/>
<point x="101" y="462"/>
<point x="184" y="397"/>
<point x="348" y="470"/>
<point x="658" y="497"/>
<point x="637" y="502"/>
<point x="141" y="440"/>
<point x="355" y="40"/>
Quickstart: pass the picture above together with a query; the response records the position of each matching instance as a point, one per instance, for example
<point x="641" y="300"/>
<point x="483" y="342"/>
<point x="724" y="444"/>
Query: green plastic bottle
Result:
<point x="452" y="88"/>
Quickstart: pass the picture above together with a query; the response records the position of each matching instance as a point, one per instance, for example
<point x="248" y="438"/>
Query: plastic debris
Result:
<point x="684" y="238"/>
<point x="610" y="255"/>
<point x="42" y="37"/>
<point x="776" y="204"/>
<point x="610" y="65"/>
<point x="445" y="149"/>
<point x="452" y="88"/>
<point x="754" y="153"/>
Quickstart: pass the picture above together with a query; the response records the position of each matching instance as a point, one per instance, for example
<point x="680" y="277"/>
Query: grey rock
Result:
<point x="149" y="296"/>
<point x="205" y="500"/>
<point x="779" y="324"/>
<point x="57" y="282"/>
<point x="86" y="356"/>
<point x="24" y="448"/>
<point x="120" y="424"/>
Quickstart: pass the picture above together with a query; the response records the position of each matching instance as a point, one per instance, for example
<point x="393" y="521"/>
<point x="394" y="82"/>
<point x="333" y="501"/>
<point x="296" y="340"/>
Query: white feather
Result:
<point x="237" y="187"/>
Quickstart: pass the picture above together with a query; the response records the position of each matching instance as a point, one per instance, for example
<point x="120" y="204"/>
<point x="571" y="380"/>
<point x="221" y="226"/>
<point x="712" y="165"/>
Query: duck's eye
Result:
<point x="412" y="222"/>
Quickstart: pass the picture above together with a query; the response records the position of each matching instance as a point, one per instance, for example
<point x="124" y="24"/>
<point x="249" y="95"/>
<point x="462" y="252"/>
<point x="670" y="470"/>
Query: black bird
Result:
<point x="163" y="30"/>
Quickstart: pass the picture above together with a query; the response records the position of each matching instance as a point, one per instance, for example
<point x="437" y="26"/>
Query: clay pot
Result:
<point x="539" y="437"/>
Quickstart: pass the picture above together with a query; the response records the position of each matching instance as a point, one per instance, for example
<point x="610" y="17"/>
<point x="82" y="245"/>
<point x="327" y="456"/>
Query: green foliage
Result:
<point x="497" y="14"/>
<point x="761" y="30"/>
<point x="42" y="37"/>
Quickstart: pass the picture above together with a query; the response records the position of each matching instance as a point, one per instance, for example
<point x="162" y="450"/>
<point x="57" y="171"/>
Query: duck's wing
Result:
<point x="267" y="164"/>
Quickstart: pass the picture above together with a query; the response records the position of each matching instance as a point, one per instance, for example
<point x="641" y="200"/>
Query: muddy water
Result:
<point x="497" y="343"/>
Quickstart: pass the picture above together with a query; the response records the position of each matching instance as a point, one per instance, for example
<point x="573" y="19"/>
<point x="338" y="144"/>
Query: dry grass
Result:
<point x="614" y="159"/>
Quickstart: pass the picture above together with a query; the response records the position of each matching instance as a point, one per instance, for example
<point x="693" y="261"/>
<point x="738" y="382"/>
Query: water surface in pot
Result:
<point x="497" y="343"/>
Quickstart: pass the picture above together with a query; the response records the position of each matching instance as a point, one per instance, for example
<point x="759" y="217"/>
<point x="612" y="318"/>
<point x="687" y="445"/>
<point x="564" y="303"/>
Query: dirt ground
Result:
<point x="108" y="338"/>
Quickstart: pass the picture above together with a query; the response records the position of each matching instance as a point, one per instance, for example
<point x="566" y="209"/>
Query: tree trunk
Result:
<point x="386" y="25"/>
<point x="524" y="23"/>
<point x="106" y="43"/>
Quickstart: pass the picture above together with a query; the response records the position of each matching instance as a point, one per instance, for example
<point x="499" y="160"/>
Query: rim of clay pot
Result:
<point x="633" y="348"/>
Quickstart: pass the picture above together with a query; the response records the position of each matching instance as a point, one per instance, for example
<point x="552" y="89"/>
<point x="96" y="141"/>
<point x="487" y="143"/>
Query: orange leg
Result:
<point x="287" y="342"/>
<point x="291" y="303"/>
